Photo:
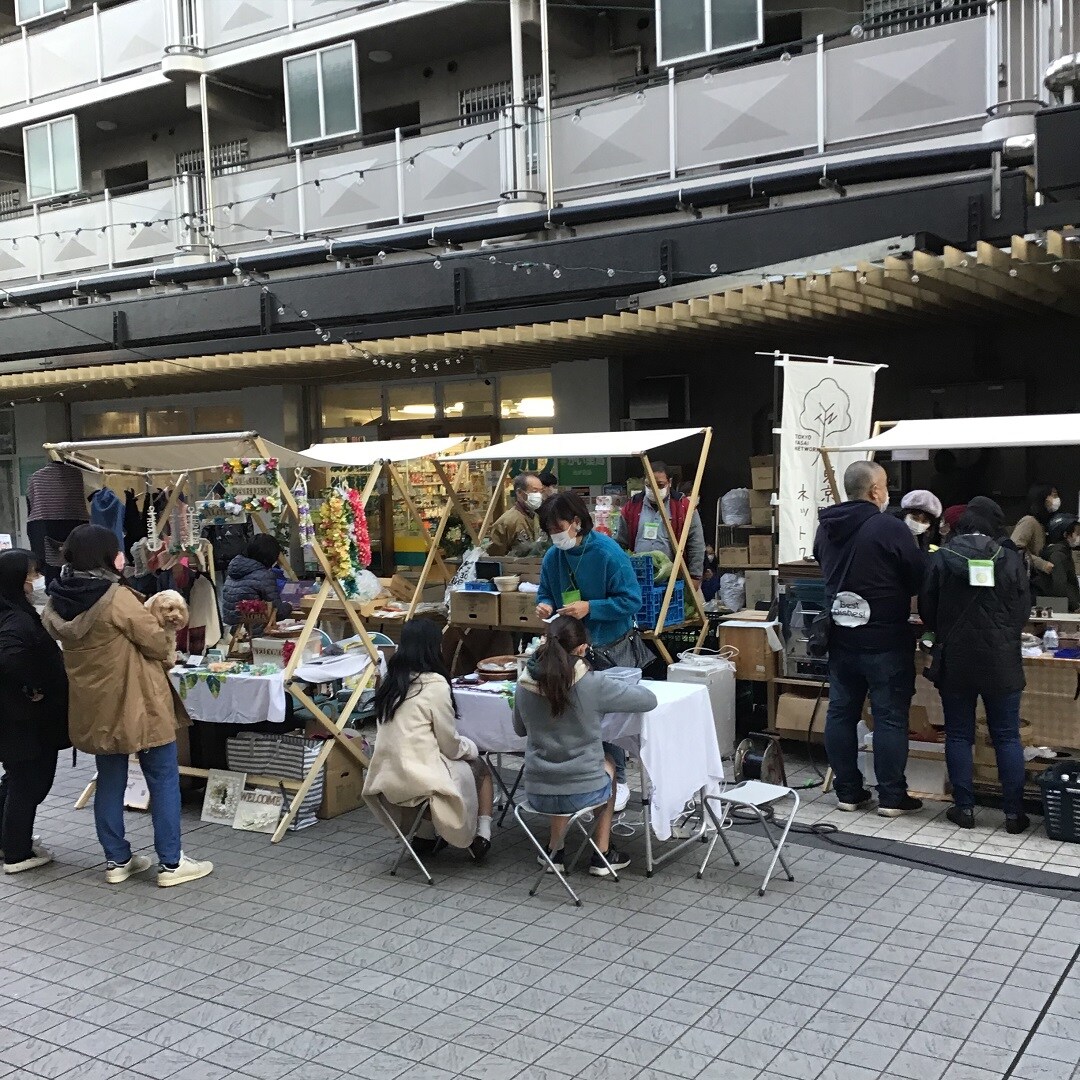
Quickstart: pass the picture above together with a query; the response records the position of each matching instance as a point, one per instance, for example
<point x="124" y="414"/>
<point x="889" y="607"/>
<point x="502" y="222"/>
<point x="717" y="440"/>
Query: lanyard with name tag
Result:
<point x="981" y="573"/>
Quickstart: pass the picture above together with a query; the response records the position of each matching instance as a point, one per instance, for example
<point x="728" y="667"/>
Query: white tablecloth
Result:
<point x="239" y="699"/>
<point x="676" y="741"/>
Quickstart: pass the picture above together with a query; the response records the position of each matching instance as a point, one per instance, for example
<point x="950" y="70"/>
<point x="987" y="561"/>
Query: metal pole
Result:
<point x="208" y="169"/>
<point x="517" y="64"/>
<point x="545" y="62"/>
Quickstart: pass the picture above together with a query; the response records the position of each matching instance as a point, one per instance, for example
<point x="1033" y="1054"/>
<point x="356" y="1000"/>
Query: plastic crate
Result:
<point x="643" y="570"/>
<point x="652" y="600"/>
<point x="1060" y="785"/>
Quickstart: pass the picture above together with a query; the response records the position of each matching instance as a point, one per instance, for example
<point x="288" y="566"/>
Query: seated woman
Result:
<point x="558" y="706"/>
<point x="251" y="577"/>
<point x="419" y="754"/>
<point x="1063" y="536"/>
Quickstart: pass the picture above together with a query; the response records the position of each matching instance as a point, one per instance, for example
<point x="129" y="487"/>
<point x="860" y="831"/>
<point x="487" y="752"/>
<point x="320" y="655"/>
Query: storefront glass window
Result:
<point x="164" y="422"/>
<point x="7" y="431"/>
<point x="350" y="407"/>
<point x="110" y="425"/>
<point x="210" y="419"/>
<point x="412" y="402"/>
<point x="462" y="400"/>
<point x="526" y="396"/>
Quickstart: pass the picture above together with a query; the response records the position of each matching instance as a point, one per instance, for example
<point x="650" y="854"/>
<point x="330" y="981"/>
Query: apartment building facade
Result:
<point x="325" y="218"/>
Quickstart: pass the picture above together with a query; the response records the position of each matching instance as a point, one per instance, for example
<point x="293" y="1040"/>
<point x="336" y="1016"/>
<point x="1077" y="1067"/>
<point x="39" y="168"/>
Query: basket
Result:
<point x="652" y="600"/>
<point x="643" y="570"/>
<point x="1060" y="785"/>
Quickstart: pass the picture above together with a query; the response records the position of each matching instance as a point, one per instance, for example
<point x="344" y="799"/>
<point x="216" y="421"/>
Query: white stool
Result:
<point x="753" y="795"/>
<point x="575" y="820"/>
<point x="385" y="810"/>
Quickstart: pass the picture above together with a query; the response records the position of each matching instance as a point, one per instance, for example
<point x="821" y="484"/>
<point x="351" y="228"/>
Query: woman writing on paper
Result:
<point x="419" y="754"/>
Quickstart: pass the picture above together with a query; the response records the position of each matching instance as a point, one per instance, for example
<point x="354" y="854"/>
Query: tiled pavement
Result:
<point x="307" y="960"/>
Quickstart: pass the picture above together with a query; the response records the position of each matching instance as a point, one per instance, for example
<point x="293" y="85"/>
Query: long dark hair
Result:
<point x="91" y="547"/>
<point x="14" y="568"/>
<point x="555" y="661"/>
<point x="1037" y="496"/>
<point x="419" y="653"/>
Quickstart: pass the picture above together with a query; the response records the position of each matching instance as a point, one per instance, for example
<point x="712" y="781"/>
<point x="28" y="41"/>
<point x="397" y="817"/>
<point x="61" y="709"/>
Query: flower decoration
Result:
<point x="337" y="529"/>
<point x="303" y="511"/>
<point x="250" y="487"/>
<point x="235" y="467"/>
<point x="360" y="528"/>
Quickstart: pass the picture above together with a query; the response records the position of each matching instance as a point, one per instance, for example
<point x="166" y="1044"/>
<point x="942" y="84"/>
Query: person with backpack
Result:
<point x="872" y="570"/>
<point x="975" y="601"/>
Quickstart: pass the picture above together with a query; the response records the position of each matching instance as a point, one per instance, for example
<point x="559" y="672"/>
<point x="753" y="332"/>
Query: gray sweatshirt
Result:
<point x="564" y="754"/>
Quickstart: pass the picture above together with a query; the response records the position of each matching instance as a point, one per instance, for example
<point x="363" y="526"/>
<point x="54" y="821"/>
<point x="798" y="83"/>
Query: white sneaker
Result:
<point x="187" y="870"/>
<point x="117" y="872"/>
<point x="622" y="796"/>
<point x="41" y="857"/>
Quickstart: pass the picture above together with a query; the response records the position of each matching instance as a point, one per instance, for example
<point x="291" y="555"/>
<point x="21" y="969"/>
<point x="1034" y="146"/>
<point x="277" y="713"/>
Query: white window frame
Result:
<point x="669" y="61"/>
<point x="52" y="165"/>
<point x="42" y="14"/>
<point x="323" y="137"/>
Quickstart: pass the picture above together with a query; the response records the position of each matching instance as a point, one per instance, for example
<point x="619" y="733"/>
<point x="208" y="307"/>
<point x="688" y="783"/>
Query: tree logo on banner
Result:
<point x="826" y="414"/>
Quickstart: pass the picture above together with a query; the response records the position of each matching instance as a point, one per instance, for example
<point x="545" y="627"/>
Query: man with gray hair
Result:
<point x="519" y="527"/>
<point x="871" y="569"/>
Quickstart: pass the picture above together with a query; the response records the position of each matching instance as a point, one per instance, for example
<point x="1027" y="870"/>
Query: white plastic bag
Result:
<point x="732" y="591"/>
<point x="735" y="507"/>
<point x="466" y="572"/>
<point x="367" y="586"/>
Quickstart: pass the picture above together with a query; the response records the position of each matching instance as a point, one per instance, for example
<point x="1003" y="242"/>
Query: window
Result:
<point x="525" y="396"/>
<point x="414" y="401"/>
<point x="345" y="407"/>
<point x="210" y="419"/>
<point x="29" y="10"/>
<point x="321" y="96"/>
<point x="485" y="103"/>
<point x="689" y="28"/>
<point x="110" y="425"/>
<point x="161" y="423"/>
<point x="127" y="179"/>
<point x="462" y="400"/>
<point x="52" y="158"/>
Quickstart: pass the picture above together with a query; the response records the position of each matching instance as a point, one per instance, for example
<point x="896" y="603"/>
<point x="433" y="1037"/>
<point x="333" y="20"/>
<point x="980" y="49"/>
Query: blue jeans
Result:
<point x="1003" y="720"/>
<point x="618" y="759"/>
<point x="889" y="677"/>
<point x="159" y="766"/>
<point x="570" y="804"/>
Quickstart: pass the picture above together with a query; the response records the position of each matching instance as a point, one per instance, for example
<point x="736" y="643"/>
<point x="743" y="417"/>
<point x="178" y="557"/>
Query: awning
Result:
<point x="975" y="432"/>
<point x="1026" y="280"/>
<point x="579" y="444"/>
<point x="363" y="455"/>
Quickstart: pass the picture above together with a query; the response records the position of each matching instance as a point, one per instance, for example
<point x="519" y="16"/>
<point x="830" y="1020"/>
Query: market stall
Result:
<point x="251" y="468"/>
<point x="607" y="444"/>
<point x="1050" y="706"/>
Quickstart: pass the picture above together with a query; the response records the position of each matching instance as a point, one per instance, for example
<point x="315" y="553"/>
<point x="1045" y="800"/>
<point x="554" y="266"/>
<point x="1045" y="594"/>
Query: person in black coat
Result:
<point x="977" y="630"/>
<point x="1063" y="536"/>
<point x="33" y="713"/>
<point x="251" y="577"/>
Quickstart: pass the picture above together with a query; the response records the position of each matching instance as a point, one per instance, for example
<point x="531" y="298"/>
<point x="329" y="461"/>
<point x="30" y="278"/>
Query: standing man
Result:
<point x="641" y="526"/>
<point x="871" y="570"/>
<point x="519" y="526"/>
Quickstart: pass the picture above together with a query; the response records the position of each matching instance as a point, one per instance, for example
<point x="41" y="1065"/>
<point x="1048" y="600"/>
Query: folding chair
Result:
<point x="575" y="820"/>
<point x="752" y="795"/>
<point x="385" y="811"/>
<point x="506" y="794"/>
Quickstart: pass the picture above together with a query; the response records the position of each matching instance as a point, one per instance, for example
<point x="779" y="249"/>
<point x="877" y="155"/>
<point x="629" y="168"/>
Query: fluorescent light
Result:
<point x="417" y="410"/>
<point x="536" y="406"/>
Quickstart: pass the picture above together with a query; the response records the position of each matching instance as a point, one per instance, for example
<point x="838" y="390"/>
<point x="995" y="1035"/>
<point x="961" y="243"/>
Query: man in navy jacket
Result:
<point x="872" y="568"/>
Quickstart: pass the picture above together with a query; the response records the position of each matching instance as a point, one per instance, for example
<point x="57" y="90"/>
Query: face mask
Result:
<point x="883" y="506"/>
<point x="533" y="500"/>
<point x="917" y="527"/>
<point x="1053" y="505"/>
<point x="652" y="498"/>
<point x="1074" y="542"/>
<point x="564" y="541"/>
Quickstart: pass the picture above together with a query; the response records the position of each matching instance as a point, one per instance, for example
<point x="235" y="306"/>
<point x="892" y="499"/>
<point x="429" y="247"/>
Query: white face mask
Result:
<point x="917" y="527"/>
<point x="1074" y="542"/>
<point x="1053" y="505"/>
<point x="534" y="499"/>
<point x="652" y="498"/>
<point x="883" y="506"/>
<point x="564" y="541"/>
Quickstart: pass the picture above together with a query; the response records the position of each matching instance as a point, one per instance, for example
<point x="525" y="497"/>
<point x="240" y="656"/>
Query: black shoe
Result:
<point x="1017" y="824"/>
<point x="963" y="817"/>
<point x="558" y="858"/>
<point x="479" y="848"/>
<point x="907" y="805"/>
<point x="424" y="845"/>
<point x="616" y="860"/>
<point x="862" y="801"/>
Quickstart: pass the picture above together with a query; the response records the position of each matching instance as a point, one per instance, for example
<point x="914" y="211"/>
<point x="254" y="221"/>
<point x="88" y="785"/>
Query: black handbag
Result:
<point x="817" y="640"/>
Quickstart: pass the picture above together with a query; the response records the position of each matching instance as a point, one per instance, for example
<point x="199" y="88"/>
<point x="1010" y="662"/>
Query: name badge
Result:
<point x="650" y="530"/>
<point x="571" y="596"/>
<point x="981" y="573"/>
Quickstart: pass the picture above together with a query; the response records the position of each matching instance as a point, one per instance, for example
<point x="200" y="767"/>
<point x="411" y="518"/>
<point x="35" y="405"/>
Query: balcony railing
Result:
<point x="883" y="90"/>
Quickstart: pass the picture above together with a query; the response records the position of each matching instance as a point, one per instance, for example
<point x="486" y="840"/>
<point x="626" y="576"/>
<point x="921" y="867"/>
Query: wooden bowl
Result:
<point x="496" y="668"/>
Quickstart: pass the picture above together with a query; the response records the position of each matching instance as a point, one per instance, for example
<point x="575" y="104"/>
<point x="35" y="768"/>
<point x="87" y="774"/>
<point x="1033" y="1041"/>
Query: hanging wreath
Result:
<point x="360" y="529"/>
<point x="335" y="525"/>
<point x="266" y="467"/>
<point x="250" y="486"/>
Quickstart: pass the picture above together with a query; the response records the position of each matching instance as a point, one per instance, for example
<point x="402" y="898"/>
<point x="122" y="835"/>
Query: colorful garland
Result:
<point x="250" y="467"/>
<point x="234" y="470"/>
<point x="360" y="529"/>
<point x="335" y="527"/>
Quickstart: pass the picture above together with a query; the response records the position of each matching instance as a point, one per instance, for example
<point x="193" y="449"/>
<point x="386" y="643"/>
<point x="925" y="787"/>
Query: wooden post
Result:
<point x="495" y="495"/>
<point x="455" y="497"/>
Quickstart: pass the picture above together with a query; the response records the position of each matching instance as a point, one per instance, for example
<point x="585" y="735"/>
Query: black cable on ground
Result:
<point x="809" y="736"/>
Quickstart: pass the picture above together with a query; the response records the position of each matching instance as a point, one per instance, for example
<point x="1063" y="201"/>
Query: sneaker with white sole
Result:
<point x="622" y="796"/>
<point x="616" y="860"/>
<point x="863" y="801"/>
<point x="40" y="857"/>
<point x="558" y="858"/>
<point x="117" y="872"/>
<point x="186" y="870"/>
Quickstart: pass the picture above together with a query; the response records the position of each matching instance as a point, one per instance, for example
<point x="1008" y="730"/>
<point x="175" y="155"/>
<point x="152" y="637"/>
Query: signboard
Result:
<point x="825" y="404"/>
<point x="582" y="471"/>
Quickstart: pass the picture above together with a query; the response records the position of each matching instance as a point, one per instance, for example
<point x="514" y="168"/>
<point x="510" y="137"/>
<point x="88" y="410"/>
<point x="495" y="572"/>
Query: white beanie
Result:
<point x="923" y="500"/>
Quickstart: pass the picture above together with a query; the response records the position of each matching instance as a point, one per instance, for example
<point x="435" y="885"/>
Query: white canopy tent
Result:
<point x="363" y="455"/>
<point x="608" y="444"/>
<point x="973" y="432"/>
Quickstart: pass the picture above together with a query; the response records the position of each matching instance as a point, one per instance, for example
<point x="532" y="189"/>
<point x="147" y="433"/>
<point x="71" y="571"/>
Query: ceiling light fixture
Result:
<point x="380" y="56"/>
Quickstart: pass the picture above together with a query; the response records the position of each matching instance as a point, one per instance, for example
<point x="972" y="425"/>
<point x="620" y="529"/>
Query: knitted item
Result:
<point x="106" y="509"/>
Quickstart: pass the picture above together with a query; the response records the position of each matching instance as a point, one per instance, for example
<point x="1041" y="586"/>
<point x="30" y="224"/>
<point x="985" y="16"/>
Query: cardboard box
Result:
<point x="474" y="608"/>
<point x="343" y="784"/>
<point x="762" y="478"/>
<point x="402" y="587"/>
<point x="729" y="557"/>
<point x="763" y="461"/>
<point x="527" y="568"/>
<point x="761" y="516"/>
<point x="756" y="661"/>
<point x="760" y="499"/>
<point x="518" y="609"/>
<point x="793" y="713"/>
<point x="761" y="550"/>
<point x="759" y="587"/>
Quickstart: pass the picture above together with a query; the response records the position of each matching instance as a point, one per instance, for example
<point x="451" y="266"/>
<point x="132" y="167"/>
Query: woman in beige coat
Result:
<point x="419" y="754"/>
<point x="120" y="701"/>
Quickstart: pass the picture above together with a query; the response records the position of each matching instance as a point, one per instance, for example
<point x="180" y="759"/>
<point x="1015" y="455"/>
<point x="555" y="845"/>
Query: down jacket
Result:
<point x="248" y="579"/>
<point x="977" y="628"/>
<point x="115" y="652"/>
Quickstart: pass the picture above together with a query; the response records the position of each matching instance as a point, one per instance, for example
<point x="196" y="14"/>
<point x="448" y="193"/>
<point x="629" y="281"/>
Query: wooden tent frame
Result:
<point x="678" y="543"/>
<point x="76" y="454"/>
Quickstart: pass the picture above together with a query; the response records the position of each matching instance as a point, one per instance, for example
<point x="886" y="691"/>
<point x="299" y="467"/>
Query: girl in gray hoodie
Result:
<point x="558" y="707"/>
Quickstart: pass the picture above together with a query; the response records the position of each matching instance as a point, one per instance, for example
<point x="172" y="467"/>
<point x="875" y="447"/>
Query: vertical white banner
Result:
<point x="824" y="405"/>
